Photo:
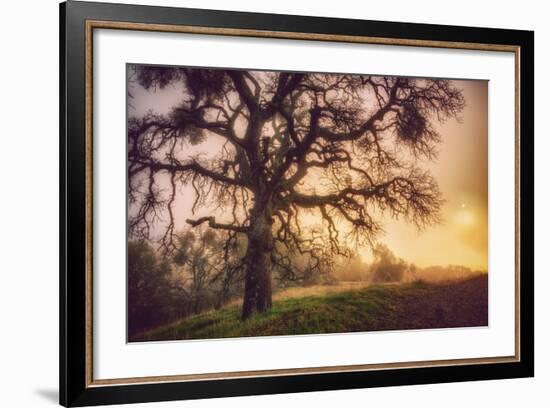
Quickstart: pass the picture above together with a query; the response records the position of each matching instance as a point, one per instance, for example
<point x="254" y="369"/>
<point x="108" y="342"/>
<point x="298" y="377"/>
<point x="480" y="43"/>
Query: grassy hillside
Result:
<point x="384" y="307"/>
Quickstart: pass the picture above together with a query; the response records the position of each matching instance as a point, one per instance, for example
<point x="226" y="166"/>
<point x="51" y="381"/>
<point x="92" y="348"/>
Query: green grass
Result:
<point x="386" y="307"/>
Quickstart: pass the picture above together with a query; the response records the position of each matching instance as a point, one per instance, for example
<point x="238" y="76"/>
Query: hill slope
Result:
<point x="384" y="307"/>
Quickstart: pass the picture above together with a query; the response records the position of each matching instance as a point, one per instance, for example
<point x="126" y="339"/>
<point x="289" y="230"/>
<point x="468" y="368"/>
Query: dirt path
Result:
<point x="454" y="304"/>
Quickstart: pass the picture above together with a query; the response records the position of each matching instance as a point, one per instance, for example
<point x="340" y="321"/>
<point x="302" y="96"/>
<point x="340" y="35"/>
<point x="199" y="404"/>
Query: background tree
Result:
<point x="387" y="267"/>
<point x="344" y="147"/>
<point x="211" y="271"/>
<point x="151" y="296"/>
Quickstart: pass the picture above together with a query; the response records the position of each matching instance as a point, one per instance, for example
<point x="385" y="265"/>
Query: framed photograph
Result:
<point x="256" y="204"/>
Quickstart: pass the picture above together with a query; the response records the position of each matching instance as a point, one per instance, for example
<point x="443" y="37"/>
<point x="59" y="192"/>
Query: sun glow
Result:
<point x="464" y="217"/>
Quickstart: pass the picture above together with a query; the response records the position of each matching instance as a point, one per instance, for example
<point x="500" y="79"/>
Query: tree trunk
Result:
<point x="257" y="290"/>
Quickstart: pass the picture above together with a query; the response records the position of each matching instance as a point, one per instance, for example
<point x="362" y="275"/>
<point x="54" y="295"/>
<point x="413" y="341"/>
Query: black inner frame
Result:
<point x="73" y="390"/>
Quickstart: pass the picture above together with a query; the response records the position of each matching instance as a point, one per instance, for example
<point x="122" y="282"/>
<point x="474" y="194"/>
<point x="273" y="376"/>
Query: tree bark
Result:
<point x="257" y="290"/>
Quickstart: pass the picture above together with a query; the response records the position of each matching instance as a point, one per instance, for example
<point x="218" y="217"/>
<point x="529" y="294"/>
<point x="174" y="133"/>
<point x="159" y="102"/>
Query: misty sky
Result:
<point x="461" y="171"/>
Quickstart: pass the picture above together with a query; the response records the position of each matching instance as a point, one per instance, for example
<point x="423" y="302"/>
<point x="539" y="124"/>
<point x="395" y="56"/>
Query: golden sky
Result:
<point x="461" y="171"/>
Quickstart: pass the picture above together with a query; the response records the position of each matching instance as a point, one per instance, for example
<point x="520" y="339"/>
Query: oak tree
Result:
<point x="345" y="148"/>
